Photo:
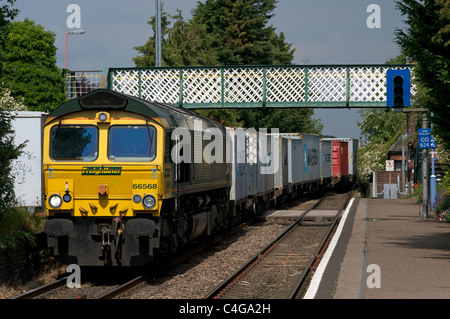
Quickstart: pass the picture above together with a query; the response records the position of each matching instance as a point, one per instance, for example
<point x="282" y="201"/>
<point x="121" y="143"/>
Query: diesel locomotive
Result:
<point x="113" y="192"/>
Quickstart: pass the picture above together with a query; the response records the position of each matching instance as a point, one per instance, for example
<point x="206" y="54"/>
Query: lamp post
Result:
<point x="72" y="32"/>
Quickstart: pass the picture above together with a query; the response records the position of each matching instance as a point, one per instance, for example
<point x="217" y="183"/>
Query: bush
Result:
<point x="18" y="226"/>
<point x="442" y="202"/>
<point x="417" y="192"/>
<point x="363" y="185"/>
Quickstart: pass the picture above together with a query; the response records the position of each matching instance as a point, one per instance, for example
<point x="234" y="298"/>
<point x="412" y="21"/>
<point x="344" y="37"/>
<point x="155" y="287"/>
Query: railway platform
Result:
<point x="383" y="249"/>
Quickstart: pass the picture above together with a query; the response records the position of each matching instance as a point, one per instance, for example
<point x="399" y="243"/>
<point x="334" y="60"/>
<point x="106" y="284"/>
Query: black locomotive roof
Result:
<point x="108" y="100"/>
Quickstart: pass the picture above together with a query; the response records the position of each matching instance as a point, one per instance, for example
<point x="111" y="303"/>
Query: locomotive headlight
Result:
<point x="137" y="198"/>
<point x="55" y="201"/>
<point x="102" y="117"/>
<point x="149" y="201"/>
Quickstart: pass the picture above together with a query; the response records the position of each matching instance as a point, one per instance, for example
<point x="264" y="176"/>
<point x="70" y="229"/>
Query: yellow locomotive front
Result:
<point x="102" y="168"/>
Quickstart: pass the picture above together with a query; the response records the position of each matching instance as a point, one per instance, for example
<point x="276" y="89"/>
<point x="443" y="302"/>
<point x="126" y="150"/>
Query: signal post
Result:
<point x="398" y="86"/>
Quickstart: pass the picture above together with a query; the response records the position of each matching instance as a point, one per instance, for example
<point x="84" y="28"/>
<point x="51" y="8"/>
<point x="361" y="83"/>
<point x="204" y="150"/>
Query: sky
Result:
<point x="321" y="31"/>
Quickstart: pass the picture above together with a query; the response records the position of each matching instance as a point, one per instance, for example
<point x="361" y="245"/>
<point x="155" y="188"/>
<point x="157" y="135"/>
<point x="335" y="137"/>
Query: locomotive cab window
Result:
<point x="74" y="143"/>
<point x="133" y="143"/>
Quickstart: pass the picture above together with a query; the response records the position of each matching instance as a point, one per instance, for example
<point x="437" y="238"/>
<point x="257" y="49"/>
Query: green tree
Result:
<point x="380" y="125"/>
<point x="7" y="13"/>
<point x="29" y="66"/>
<point x="183" y="44"/>
<point x="427" y="42"/>
<point x="380" y="128"/>
<point x="286" y="120"/>
<point x="241" y="31"/>
<point x="147" y="51"/>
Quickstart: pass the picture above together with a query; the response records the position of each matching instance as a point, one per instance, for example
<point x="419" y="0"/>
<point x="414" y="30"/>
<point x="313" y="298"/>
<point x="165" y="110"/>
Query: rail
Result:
<point x="227" y="283"/>
<point x="42" y="290"/>
<point x="293" y="291"/>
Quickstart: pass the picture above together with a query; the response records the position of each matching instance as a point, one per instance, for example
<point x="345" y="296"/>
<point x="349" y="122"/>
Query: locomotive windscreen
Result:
<point x="135" y="143"/>
<point x="74" y="143"/>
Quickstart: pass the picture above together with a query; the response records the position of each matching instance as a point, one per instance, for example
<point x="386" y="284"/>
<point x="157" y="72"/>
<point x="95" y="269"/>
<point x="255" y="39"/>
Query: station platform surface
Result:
<point x="293" y="214"/>
<point x="383" y="249"/>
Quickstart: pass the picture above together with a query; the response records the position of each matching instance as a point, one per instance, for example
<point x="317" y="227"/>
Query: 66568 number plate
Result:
<point x="145" y="186"/>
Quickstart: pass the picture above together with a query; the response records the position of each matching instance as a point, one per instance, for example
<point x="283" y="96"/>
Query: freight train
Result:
<point x="126" y="181"/>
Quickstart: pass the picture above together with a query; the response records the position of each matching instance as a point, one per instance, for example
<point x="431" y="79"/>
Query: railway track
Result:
<point x="106" y="289"/>
<point x="57" y="290"/>
<point x="42" y="290"/>
<point x="280" y="256"/>
<point x="280" y="270"/>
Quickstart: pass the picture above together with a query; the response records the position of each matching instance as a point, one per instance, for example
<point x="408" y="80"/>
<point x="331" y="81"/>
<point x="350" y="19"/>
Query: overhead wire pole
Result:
<point x="158" y="34"/>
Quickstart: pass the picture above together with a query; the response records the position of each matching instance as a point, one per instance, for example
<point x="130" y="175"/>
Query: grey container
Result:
<point x="311" y="157"/>
<point x="295" y="161"/>
<point x="326" y="168"/>
<point x="280" y="161"/>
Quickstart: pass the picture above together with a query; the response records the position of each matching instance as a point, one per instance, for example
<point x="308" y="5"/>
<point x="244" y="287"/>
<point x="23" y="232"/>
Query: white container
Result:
<point x="27" y="126"/>
<point x="267" y="162"/>
<point x="238" y="154"/>
<point x="279" y="156"/>
<point x="252" y="162"/>
<point x="260" y="166"/>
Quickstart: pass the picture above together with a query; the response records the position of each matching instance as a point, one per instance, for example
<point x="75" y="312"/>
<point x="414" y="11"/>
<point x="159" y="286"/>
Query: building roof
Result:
<point x="396" y="147"/>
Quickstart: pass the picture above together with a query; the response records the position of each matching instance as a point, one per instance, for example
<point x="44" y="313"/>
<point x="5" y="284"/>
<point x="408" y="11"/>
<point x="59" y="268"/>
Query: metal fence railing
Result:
<point x="82" y="82"/>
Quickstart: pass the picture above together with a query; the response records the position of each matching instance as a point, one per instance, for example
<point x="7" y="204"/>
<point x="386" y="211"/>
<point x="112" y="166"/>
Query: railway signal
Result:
<point x="398" y="86"/>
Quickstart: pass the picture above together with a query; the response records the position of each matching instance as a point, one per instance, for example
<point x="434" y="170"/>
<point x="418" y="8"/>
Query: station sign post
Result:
<point x="424" y="138"/>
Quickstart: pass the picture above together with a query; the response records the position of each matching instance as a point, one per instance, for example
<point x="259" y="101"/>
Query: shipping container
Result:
<point x="311" y="157"/>
<point x="280" y="161"/>
<point x="353" y="144"/>
<point x="326" y="168"/>
<point x="252" y="162"/>
<point x="267" y="162"/>
<point x="238" y="152"/>
<point x="295" y="161"/>
<point x="27" y="127"/>
<point x="339" y="158"/>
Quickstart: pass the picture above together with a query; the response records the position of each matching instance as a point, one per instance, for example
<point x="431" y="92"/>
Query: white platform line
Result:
<point x="317" y="278"/>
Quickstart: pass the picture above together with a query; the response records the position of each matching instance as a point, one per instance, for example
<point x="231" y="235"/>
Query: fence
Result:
<point x="388" y="184"/>
<point x="82" y="82"/>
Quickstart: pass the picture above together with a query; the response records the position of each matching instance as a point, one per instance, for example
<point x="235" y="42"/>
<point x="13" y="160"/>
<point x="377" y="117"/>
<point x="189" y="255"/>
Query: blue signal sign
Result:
<point x="398" y="88"/>
<point x="425" y="139"/>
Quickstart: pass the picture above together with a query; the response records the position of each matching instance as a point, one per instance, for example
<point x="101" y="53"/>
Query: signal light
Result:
<point x="398" y="85"/>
